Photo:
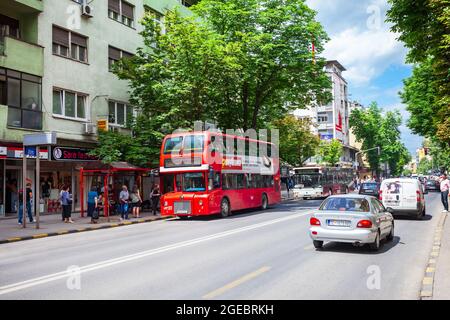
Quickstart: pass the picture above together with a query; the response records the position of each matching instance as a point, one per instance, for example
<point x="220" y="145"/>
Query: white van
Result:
<point x="403" y="196"/>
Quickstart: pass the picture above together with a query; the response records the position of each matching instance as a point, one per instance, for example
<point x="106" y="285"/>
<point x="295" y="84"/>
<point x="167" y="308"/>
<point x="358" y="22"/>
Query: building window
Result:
<point x="188" y="3"/>
<point x="22" y="93"/>
<point x="69" y="104"/>
<point x="69" y="44"/>
<point x="120" y="113"/>
<point x="115" y="55"/>
<point x="9" y="27"/>
<point x="122" y="12"/>
<point x="322" y="118"/>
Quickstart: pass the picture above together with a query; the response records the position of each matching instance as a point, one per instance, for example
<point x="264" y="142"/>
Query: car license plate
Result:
<point x="339" y="223"/>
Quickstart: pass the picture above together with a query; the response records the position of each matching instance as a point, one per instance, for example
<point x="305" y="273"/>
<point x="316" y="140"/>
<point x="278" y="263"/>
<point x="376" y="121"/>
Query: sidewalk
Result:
<point x="51" y="225"/>
<point x="441" y="290"/>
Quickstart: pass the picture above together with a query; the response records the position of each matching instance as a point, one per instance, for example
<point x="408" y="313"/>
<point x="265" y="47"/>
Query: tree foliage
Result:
<point x="424" y="27"/>
<point x="297" y="143"/>
<point x="374" y="129"/>
<point x="331" y="151"/>
<point x="238" y="63"/>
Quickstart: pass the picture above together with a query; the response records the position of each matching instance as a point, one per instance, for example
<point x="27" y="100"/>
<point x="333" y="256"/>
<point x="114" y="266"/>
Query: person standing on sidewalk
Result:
<point x="92" y="203"/>
<point x="124" y="196"/>
<point x="66" y="202"/>
<point x="136" y="202"/>
<point x="445" y="187"/>
<point x="155" y="196"/>
<point x="29" y="196"/>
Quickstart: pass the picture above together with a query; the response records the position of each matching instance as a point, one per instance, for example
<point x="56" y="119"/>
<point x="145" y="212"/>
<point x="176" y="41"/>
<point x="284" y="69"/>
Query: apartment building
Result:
<point x="55" y="58"/>
<point x="331" y="121"/>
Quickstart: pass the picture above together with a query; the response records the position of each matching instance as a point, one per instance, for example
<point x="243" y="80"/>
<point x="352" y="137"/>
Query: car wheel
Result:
<point x="390" y="236"/>
<point x="375" y="246"/>
<point x="264" y="202"/>
<point x="225" y="208"/>
<point x="318" y="244"/>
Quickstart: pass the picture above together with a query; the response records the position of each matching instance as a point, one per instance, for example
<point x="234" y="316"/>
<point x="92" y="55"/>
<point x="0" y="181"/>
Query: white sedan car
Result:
<point x="356" y="219"/>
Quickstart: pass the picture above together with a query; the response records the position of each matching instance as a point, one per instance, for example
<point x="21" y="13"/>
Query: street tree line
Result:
<point x="424" y="27"/>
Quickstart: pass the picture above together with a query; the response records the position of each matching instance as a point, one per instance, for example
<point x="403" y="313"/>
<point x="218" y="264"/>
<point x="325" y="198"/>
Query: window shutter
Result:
<point x="126" y="55"/>
<point x="114" y="5"/>
<point x="79" y="40"/>
<point x="114" y="53"/>
<point x="60" y="36"/>
<point x="127" y="10"/>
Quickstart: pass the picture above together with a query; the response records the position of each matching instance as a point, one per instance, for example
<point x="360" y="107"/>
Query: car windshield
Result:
<point x="372" y="186"/>
<point x="345" y="204"/>
<point x="191" y="182"/>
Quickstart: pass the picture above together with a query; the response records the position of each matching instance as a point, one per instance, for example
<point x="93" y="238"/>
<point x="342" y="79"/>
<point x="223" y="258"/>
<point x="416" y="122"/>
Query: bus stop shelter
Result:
<point x="106" y="172"/>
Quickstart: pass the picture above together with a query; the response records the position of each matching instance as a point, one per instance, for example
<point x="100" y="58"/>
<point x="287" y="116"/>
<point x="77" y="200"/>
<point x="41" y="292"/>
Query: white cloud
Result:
<point x="366" y="54"/>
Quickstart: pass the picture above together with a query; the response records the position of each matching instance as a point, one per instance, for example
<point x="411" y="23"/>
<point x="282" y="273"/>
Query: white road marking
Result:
<point x="111" y="262"/>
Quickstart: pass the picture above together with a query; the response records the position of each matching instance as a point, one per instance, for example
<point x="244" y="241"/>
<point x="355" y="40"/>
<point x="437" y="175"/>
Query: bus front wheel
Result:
<point x="225" y="208"/>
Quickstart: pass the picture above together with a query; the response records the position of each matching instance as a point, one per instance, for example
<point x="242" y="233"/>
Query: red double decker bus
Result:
<point x="207" y="173"/>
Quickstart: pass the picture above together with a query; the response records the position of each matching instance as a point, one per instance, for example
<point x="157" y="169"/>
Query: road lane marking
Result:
<point x="115" y="261"/>
<point x="236" y="283"/>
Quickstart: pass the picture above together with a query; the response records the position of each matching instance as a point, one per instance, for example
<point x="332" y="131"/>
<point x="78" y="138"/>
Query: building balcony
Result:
<point x="21" y="56"/>
<point x="23" y="6"/>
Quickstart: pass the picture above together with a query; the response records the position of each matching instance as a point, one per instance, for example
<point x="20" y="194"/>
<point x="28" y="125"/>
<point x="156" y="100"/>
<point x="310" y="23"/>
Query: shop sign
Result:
<point x="3" y="152"/>
<point x="17" y="153"/>
<point x="71" y="154"/>
<point x="102" y="125"/>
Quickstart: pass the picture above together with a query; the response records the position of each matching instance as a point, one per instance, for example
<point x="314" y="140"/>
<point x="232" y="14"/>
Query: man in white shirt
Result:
<point x="445" y="187"/>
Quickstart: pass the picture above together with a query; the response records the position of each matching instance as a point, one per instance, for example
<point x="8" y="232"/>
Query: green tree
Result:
<point x="424" y="166"/>
<point x="297" y="143"/>
<point x="239" y="63"/>
<point x="331" y="151"/>
<point x="374" y="129"/>
<point x="419" y="96"/>
<point x="424" y="27"/>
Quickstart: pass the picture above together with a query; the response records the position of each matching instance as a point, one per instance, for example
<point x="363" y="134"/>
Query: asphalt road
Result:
<point x="250" y="255"/>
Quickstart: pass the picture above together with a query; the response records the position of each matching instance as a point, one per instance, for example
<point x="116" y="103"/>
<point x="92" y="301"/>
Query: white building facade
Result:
<point x="331" y="121"/>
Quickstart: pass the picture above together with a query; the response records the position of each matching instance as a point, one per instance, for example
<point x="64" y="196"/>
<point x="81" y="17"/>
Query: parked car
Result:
<point x="369" y="188"/>
<point x="432" y="185"/>
<point x="356" y="219"/>
<point x="404" y="196"/>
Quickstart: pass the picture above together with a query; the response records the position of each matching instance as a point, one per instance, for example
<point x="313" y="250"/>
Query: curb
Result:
<point x="426" y="292"/>
<point x="63" y="232"/>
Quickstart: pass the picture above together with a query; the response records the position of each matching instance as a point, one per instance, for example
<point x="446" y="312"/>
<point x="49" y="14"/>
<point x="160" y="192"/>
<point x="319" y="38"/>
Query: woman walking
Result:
<point x="66" y="201"/>
<point x="136" y="202"/>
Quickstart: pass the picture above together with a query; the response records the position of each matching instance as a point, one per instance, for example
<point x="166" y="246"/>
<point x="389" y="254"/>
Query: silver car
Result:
<point x="356" y="219"/>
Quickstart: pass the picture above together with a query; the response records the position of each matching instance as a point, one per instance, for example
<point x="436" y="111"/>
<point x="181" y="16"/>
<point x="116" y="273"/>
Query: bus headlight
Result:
<point x="165" y="203"/>
<point x="200" y="202"/>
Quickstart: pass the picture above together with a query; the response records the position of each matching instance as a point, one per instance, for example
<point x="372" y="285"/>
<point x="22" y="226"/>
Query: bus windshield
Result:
<point x="173" y="145"/>
<point x="308" y="181"/>
<point x="191" y="182"/>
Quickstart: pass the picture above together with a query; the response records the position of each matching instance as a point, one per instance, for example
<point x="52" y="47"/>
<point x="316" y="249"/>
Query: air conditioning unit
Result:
<point x="86" y="10"/>
<point x="89" y="128"/>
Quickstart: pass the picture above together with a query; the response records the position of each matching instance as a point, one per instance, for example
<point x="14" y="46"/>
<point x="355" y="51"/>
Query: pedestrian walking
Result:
<point x="29" y="196"/>
<point x="124" y="197"/>
<point x="136" y="202"/>
<point x="66" y="202"/>
<point x="155" y="196"/>
<point x="92" y="204"/>
<point x="445" y="187"/>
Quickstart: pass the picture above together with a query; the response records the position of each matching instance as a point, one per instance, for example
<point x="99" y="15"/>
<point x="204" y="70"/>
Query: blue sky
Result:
<point x="362" y="42"/>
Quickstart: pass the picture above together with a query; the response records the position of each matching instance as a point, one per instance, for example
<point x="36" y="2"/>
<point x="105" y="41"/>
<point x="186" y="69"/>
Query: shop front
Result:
<point x="58" y="167"/>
